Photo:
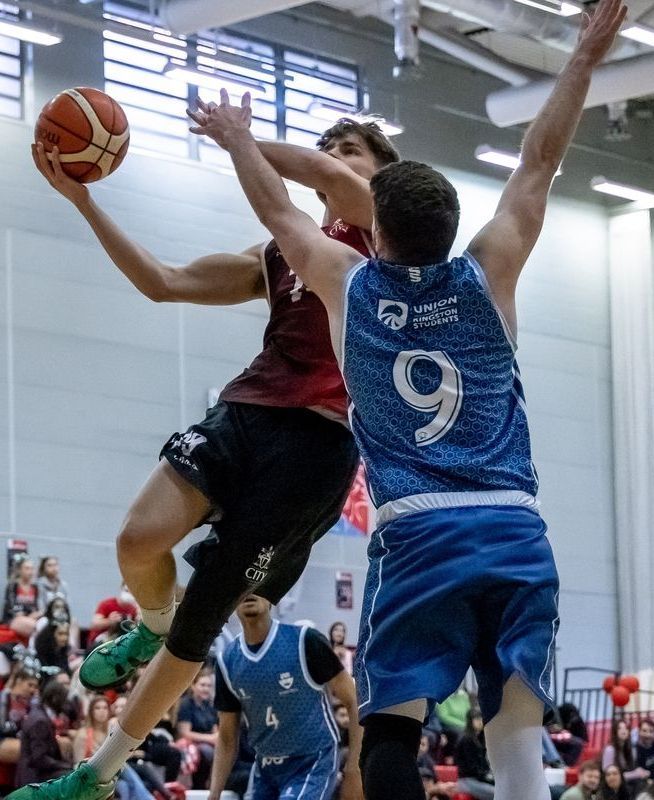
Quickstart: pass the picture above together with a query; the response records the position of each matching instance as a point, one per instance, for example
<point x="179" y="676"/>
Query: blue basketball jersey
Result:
<point x="438" y="408"/>
<point x="287" y="713"/>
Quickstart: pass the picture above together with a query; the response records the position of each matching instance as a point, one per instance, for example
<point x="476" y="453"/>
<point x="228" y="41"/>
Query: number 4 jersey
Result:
<point x="438" y="408"/>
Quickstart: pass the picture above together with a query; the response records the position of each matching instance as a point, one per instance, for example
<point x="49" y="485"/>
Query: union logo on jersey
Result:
<point x="285" y="680"/>
<point x="393" y="313"/>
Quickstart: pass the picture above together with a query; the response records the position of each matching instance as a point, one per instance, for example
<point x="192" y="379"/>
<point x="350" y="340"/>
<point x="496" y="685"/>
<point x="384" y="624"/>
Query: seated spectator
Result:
<point x="111" y="612"/>
<point x="94" y="731"/>
<point x="475" y="776"/>
<point x="568" y="746"/>
<point x="434" y="788"/>
<point x="588" y="786"/>
<point x="337" y="634"/>
<point x="551" y="756"/>
<point x="197" y="724"/>
<point x="49" y="581"/>
<point x="645" y="746"/>
<point x="159" y="750"/>
<point x="16" y="701"/>
<point x="452" y="717"/>
<point x="613" y="785"/>
<point x="23" y="605"/>
<point x="619" y="753"/>
<point x="647" y="791"/>
<point x="40" y="755"/>
<point x="52" y="646"/>
<point x="571" y="721"/>
<point x="424" y="751"/>
<point x="57" y="611"/>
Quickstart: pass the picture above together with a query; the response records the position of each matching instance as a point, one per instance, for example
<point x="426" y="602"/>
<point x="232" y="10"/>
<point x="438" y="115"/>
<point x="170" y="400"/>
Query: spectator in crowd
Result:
<point x="452" y="714"/>
<point x="619" y="753"/>
<point x="58" y="611"/>
<point x="645" y="746"/>
<point x="111" y="612"/>
<point x="647" y="792"/>
<point x="588" y="786"/>
<point x="337" y="634"/>
<point x="53" y="648"/>
<point x="569" y="747"/>
<point x="197" y="723"/>
<point x="49" y="581"/>
<point x="572" y="721"/>
<point x="16" y="701"/>
<point x="435" y="788"/>
<point x="95" y="730"/>
<point x="475" y="777"/>
<point x="424" y="751"/>
<point x="159" y="750"/>
<point x="23" y="605"/>
<point x="613" y="786"/>
<point x="40" y="755"/>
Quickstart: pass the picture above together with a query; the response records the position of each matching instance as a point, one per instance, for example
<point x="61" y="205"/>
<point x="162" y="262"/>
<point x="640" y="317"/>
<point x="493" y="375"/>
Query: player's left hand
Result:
<point x="217" y="121"/>
<point x="351" y="787"/>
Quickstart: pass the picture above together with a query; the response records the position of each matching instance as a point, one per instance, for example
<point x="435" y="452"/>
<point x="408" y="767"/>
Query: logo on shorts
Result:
<point x="267" y="761"/>
<point x="258" y="569"/>
<point x="285" y="680"/>
<point x="187" y="442"/>
<point x="393" y="313"/>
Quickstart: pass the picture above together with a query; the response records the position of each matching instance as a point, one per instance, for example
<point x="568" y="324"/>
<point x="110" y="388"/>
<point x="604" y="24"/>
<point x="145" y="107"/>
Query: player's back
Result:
<point x="437" y="403"/>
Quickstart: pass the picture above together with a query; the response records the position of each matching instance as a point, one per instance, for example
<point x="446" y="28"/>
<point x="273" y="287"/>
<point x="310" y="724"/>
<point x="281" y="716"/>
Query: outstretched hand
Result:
<point x="217" y="121"/>
<point x="598" y="31"/>
<point x="54" y="174"/>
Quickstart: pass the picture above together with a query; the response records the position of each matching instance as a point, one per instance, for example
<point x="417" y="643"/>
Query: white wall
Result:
<point x="101" y="377"/>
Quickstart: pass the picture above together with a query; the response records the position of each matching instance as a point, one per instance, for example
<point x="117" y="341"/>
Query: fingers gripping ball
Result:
<point x="89" y="128"/>
<point x="620" y="695"/>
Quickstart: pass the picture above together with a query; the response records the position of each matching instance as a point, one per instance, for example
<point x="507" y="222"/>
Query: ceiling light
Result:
<point x="562" y="9"/>
<point x="639" y="34"/>
<point x="501" y="158"/>
<point x="216" y="81"/>
<point x="331" y="113"/>
<point x="601" y="184"/>
<point x="28" y="33"/>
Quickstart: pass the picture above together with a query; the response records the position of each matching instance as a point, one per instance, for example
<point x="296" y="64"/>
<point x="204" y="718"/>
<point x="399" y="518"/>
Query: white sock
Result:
<point x="159" y="620"/>
<point x="113" y="753"/>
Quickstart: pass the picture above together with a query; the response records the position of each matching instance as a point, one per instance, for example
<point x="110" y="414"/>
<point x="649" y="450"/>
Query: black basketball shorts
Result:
<point x="278" y="479"/>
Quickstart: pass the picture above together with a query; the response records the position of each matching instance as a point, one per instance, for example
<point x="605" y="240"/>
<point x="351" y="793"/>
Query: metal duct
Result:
<point x="191" y="16"/>
<point x="611" y="83"/>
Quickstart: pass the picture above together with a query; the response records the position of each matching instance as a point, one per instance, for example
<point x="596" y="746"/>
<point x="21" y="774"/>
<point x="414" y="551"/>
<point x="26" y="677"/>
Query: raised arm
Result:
<point x="504" y="244"/>
<point x="218" y="279"/>
<point x="320" y="262"/>
<point x="346" y="193"/>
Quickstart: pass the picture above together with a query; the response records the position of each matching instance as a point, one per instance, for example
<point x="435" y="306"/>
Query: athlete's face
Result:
<point x="252" y="607"/>
<point x="353" y="151"/>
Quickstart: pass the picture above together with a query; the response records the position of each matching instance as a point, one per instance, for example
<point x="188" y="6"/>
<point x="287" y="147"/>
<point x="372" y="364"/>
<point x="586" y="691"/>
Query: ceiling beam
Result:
<point x="190" y="16"/>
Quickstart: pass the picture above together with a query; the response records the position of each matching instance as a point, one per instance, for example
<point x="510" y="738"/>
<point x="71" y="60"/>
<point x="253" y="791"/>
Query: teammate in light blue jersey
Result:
<point x="461" y="572"/>
<point x="278" y="677"/>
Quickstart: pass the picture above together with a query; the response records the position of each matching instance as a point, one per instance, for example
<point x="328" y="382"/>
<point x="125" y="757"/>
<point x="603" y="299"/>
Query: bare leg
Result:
<point x="513" y="739"/>
<point x="165" y="510"/>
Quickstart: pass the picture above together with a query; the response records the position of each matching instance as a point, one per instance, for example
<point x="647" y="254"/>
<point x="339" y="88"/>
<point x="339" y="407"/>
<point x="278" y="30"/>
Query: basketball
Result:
<point x="89" y="128"/>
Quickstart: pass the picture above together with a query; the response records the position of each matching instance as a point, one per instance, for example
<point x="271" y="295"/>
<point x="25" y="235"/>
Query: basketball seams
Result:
<point x="43" y="115"/>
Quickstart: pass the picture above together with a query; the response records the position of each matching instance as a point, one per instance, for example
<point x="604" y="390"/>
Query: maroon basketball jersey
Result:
<point x="297" y="366"/>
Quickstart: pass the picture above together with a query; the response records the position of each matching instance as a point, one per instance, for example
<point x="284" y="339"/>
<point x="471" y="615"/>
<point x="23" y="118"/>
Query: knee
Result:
<point x="382" y="730"/>
<point x="137" y="539"/>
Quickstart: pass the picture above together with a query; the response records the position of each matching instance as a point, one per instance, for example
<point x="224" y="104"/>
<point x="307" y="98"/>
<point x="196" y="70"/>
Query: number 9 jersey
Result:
<point x="438" y="408"/>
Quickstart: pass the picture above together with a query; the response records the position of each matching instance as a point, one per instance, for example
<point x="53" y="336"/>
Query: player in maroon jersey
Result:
<point x="270" y="466"/>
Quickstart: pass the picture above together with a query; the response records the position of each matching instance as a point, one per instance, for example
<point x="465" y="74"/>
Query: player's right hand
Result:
<point x="53" y="172"/>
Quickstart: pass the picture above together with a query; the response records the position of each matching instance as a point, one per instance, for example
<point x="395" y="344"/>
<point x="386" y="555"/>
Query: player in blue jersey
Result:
<point x="461" y="572"/>
<point x="279" y="677"/>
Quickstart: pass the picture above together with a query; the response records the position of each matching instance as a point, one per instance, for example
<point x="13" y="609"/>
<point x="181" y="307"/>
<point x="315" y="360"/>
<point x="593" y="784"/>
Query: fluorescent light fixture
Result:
<point x="331" y="113"/>
<point x="639" y="34"/>
<point x="600" y="184"/>
<point x="215" y="81"/>
<point x="28" y="33"/>
<point x="501" y="158"/>
<point x="562" y="10"/>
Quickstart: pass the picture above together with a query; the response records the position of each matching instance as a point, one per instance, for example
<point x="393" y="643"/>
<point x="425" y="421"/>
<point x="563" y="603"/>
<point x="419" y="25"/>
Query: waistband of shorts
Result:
<point x="414" y="503"/>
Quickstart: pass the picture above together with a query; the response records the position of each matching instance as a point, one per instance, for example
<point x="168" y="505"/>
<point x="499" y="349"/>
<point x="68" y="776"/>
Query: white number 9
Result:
<point x="445" y="400"/>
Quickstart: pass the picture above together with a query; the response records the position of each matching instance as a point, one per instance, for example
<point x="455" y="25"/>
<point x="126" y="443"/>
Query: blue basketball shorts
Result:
<point x="310" y="777"/>
<point x="452" y="588"/>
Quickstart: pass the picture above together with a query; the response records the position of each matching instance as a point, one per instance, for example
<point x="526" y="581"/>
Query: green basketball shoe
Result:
<point x="114" y="662"/>
<point x="82" y="784"/>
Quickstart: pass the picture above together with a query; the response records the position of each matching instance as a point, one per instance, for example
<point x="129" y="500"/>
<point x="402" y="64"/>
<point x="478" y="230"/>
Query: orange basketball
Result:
<point x="89" y="128"/>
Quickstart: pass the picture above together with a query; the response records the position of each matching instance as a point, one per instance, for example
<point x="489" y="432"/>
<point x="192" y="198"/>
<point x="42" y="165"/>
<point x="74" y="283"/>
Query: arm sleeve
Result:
<point x="224" y="700"/>
<point x="323" y="664"/>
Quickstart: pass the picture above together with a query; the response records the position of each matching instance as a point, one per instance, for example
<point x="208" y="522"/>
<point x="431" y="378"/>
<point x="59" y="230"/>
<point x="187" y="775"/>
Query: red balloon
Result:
<point x="630" y="682"/>
<point x="609" y="683"/>
<point x="620" y="695"/>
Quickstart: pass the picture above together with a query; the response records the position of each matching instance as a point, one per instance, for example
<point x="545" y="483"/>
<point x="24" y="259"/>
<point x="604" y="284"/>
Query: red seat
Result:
<point x="463" y="797"/>
<point x="446" y="773"/>
<point x="7" y="774"/>
<point x="571" y="776"/>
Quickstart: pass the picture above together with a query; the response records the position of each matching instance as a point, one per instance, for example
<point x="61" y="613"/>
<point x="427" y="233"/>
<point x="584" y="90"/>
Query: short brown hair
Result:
<point x="371" y="133"/>
<point x="417" y="212"/>
<point x="587" y="766"/>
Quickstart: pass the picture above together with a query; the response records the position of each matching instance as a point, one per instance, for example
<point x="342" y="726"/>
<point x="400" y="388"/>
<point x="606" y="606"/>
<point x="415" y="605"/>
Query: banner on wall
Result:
<point x="357" y="513"/>
<point x="344" y="590"/>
